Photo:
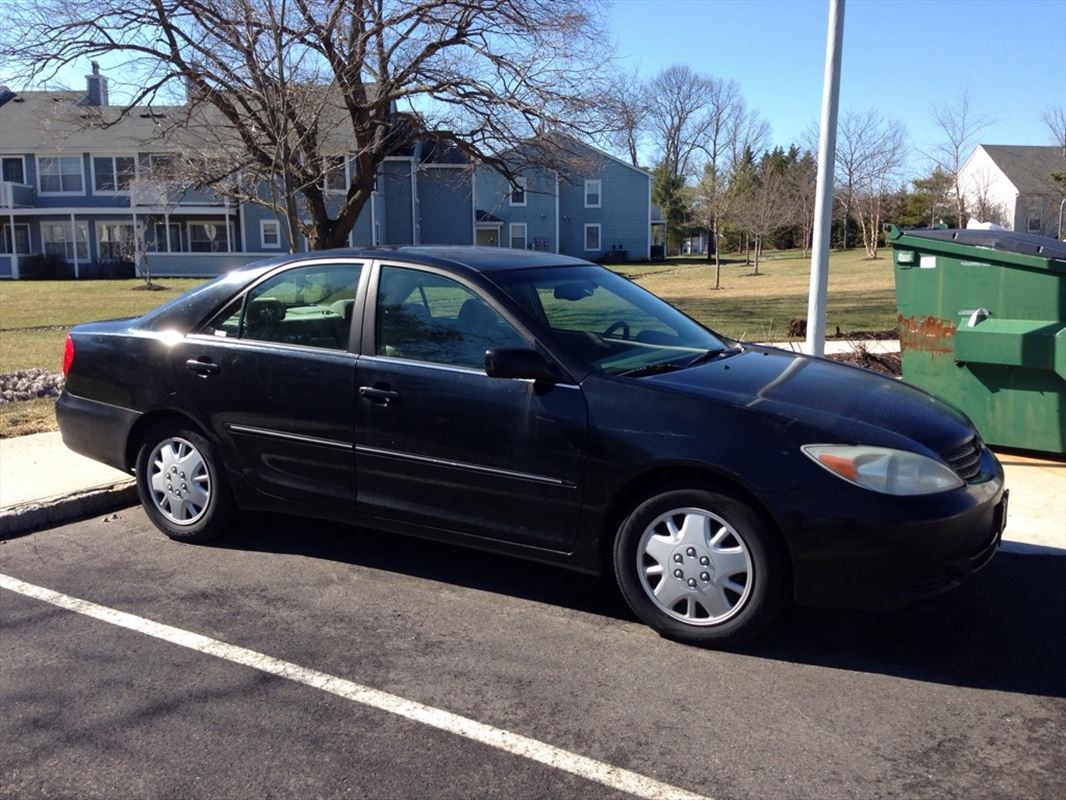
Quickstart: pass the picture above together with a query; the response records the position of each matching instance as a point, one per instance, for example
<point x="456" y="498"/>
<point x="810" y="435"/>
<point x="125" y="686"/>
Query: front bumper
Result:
<point x="876" y="551"/>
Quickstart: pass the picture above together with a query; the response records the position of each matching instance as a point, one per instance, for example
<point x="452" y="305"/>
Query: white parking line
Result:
<point x="614" y="777"/>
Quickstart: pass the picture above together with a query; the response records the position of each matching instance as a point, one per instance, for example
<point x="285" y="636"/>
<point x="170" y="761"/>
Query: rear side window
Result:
<point x="307" y="306"/>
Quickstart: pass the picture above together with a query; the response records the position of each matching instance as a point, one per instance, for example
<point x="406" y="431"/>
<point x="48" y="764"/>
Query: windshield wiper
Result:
<point x="704" y="357"/>
<point x="651" y="369"/>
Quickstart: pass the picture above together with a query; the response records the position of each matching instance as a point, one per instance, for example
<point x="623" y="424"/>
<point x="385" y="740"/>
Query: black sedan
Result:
<point x="542" y="406"/>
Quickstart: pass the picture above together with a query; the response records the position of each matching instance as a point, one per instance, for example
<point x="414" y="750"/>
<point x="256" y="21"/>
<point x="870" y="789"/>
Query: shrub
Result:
<point x="45" y="267"/>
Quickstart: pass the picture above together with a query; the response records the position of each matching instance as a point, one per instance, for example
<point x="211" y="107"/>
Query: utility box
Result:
<point x="982" y="323"/>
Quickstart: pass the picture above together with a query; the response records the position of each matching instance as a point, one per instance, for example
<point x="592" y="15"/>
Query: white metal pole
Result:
<point x="15" y="248"/>
<point x="823" y="204"/>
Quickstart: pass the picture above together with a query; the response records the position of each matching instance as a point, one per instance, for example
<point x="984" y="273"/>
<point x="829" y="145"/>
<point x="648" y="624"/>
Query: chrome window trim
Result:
<point x="262" y="344"/>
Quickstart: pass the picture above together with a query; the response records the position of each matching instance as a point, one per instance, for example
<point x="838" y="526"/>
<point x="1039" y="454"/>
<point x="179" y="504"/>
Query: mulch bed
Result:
<point x="885" y="363"/>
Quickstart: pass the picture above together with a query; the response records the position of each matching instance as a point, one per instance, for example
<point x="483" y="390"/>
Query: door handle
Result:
<point x="376" y="394"/>
<point x="202" y="367"/>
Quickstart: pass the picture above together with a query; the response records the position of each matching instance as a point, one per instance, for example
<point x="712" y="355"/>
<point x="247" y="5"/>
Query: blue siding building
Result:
<point x="595" y="206"/>
<point x="96" y="198"/>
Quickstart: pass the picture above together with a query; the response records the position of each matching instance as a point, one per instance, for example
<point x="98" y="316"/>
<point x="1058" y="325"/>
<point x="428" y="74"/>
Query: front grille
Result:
<point x="965" y="459"/>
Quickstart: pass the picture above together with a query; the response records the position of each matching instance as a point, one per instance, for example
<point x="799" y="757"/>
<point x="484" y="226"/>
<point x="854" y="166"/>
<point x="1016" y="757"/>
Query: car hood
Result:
<point x="843" y="403"/>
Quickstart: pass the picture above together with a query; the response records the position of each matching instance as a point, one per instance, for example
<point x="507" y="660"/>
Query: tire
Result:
<point x="182" y="484"/>
<point x="700" y="567"/>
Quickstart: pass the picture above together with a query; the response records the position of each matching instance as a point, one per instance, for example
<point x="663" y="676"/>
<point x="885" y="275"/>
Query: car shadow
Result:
<point x="1002" y="631"/>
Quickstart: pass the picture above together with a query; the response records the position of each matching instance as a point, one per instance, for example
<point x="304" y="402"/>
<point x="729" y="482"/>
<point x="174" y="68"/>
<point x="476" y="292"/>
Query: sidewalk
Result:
<point x="836" y="346"/>
<point x="42" y="483"/>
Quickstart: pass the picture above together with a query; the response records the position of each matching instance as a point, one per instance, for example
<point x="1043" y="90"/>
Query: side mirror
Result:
<point x="519" y="362"/>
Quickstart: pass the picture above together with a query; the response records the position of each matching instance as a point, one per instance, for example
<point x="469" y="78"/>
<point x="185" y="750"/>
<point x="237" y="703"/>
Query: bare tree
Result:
<point x="732" y="129"/>
<point x="886" y="153"/>
<point x="760" y="198"/>
<point x="983" y="206"/>
<point x="692" y="115"/>
<point x="959" y="123"/>
<point x="1055" y="119"/>
<point x="800" y="188"/>
<point x="870" y="152"/>
<point x="290" y="93"/>
<point x="626" y="115"/>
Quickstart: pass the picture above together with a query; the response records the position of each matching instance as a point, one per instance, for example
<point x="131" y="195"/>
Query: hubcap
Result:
<point x="181" y="484"/>
<point x="694" y="566"/>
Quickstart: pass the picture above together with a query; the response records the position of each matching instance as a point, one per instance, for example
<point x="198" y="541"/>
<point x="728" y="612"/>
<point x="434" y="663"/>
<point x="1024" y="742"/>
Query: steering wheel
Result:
<point x="621" y="325"/>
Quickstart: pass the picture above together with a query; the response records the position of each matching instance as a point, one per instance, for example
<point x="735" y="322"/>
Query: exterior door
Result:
<point x="439" y="443"/>
<point x="273" y="378"/>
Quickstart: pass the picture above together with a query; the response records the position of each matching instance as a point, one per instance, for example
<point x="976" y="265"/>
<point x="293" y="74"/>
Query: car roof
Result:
<point x="470" y="258"/>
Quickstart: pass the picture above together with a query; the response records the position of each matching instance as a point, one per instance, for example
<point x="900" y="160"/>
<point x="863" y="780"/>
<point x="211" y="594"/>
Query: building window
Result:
<point x="208" y="237"/>
<point x="1034" y="223"/>
<point x="162" y="165"/>
<point x="592" y="237"/>
<point x="14" y="169"/>
<point x="116" y="240"/>
<point x="518" y="192"/>
<point x="518" y="235"/>
<point x="113" y="174"/>
<point x="488" y="236"/>
<point x="158" y="242"/>
<point x="592" y="195"/>
<point x="58" y="241"/>
<point x="336" y="173"/>
<point x="22" y="239"/>
<point x="270" y="234"/>
<point x="60" y="175"/>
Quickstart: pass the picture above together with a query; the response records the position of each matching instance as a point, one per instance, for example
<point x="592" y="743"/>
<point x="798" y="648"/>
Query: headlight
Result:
<point x="884" y="470"/>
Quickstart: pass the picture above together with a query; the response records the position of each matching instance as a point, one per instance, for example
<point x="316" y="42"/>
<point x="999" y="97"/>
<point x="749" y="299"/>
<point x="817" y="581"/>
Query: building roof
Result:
<point x="61" y="121"/>
<point x="55" y="122"/>
<point x="1029" y="168"/>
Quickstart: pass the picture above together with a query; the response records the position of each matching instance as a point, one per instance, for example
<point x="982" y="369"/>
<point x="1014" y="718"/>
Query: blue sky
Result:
<point x="899" y="56"/>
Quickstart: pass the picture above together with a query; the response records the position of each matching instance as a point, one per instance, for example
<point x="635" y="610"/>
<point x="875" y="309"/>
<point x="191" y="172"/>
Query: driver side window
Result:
<point x="426" y="317"/>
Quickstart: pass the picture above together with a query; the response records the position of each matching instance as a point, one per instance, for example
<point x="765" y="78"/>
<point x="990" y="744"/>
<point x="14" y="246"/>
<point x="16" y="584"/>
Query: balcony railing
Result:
<point x="15" y="195"/>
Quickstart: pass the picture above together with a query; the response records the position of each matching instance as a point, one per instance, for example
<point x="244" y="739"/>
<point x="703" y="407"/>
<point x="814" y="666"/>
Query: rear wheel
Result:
<point x="182" y="485"/>
<point x="699" y="567"/>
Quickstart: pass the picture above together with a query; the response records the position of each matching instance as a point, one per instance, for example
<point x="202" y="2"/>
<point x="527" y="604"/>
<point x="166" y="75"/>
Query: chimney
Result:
<point x="97" y="87"/>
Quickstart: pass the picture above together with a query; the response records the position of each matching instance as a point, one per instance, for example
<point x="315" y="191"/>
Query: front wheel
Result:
<point x="181" y="484"/>
<point x="699" y="567"/>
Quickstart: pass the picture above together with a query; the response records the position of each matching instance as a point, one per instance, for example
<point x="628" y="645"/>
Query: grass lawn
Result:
<point x="862" y="293"/>
<point x="35" y="315"/>
<point x="34" y="319"/>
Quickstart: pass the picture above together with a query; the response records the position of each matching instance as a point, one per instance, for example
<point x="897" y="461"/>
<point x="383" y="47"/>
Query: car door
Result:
<point x="273" y="377"/>
<point x="438" y="442"/>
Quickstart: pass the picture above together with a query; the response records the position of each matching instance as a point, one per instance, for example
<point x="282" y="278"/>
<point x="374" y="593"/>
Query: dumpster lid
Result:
<point x="1025" y="243"/>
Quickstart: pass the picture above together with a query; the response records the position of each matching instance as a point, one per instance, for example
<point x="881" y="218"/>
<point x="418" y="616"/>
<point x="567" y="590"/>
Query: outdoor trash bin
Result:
<point x="982" y="323"/>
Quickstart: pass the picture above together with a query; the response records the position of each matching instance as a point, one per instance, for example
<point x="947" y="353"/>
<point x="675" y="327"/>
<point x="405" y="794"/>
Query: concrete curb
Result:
<point x="30" y="517"/>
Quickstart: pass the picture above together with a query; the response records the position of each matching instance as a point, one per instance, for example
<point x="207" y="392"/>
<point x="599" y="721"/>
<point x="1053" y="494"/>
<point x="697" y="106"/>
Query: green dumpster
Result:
<point x="982" y="323"/>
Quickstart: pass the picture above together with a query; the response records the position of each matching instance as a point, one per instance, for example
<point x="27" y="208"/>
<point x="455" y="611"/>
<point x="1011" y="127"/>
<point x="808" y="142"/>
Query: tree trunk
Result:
<point x="758" y="253"/>
<point x="847" y="213"/>
<point x="717" y="258"/>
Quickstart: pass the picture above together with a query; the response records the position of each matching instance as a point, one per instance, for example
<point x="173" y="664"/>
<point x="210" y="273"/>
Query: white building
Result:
<point x="1012" y="186"/>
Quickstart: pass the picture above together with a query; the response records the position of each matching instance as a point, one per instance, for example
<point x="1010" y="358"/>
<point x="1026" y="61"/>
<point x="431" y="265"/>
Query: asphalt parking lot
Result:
<point x="963" y="696"/>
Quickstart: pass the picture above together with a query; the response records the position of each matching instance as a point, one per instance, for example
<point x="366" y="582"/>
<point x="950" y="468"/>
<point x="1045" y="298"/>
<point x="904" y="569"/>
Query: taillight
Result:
<point x="68" y="355"/>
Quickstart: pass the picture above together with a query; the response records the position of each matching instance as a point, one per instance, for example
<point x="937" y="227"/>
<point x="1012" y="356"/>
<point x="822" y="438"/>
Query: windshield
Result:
<point x="609" y="322"/>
